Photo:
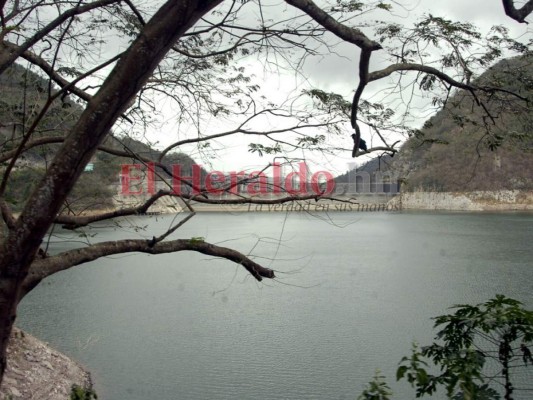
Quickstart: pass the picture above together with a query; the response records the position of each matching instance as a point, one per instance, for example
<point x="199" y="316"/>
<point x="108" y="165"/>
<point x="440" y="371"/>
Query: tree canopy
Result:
<point x="478" y="353"/>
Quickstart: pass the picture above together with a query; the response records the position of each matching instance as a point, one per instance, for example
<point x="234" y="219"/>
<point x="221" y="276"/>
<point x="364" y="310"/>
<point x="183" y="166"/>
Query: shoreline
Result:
<point x="475" y="201"/>
<point x="37" y="371"/>
<point x="497" y="200"/>
<point x="296" y="206"/>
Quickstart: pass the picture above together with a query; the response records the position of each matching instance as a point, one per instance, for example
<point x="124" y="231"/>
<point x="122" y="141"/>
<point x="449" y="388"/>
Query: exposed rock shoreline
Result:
<point x="36" y="371"/>
<point x="499" y="200"/>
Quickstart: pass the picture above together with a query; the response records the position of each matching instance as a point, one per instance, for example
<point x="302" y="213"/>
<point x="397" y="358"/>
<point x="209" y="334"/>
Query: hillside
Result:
<point x="381" y="163"/>
<point x="23" y="96"/>
<point x="463" y="149"/>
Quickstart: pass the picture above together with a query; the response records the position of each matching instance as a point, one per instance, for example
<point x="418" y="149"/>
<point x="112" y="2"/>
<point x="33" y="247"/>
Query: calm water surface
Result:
<point x="354" y="290"/>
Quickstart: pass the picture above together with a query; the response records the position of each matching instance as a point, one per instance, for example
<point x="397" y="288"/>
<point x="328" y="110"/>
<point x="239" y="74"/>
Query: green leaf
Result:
<point x="385" y="6"/>
<point x="400" y="372"/>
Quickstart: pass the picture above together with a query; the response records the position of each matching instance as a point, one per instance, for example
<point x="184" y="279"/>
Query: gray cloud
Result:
<point x="336" y="71"/>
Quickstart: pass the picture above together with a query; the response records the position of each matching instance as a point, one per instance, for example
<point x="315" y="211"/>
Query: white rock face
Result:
<point x="467" y="201"/>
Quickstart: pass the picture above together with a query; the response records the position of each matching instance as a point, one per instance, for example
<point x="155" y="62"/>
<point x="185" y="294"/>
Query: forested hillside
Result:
<point x="23" y="96"/>
<point x="466" y="148"/>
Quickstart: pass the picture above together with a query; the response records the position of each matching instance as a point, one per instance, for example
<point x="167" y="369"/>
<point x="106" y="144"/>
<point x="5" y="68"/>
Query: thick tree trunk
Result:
<point x="8" y="290"/>
<point x="18" y="249"/>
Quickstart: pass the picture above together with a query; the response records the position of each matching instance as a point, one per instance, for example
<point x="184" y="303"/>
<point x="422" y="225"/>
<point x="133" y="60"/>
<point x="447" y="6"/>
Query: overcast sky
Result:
<point x="482" y="13"/>
<point x="338" y="73"/>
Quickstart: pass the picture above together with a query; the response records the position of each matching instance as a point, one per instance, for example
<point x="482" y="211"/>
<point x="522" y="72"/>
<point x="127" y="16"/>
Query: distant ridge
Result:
<point x="454" y="152"/>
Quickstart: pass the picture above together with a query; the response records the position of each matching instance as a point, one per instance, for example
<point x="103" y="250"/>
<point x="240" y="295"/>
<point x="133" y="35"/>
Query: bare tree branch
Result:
<point x="8" y="56"/>
<point x="7" y="215"/>
<point x="376" y="75"/>
<point x="77" y="221"/>
<point x="351" y="35"/>
<point x="13" y="12"/>
<point x="2" y="4"/>
<point x="19" y="248"/>
<point x="58" y="79"/>
<point x="241" y="130"/>
<point x="41" y="268"/>
<point x="390" y="149"/>
<point x="239" y="43"/>
<point x="136" y="12"/>
<point x="519" y="15"/>
<point x="117" y="91"/>
<point x="173" y="229"/>
<point x="7" y="155"/>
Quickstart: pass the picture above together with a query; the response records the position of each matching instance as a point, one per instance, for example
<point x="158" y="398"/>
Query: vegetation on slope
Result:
<point x="23" y="94"/>
<point x="463" y="149"/>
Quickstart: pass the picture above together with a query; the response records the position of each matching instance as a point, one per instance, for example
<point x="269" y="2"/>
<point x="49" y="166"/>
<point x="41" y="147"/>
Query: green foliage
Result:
<point x="434" y="29"/>
<point x="413" y="369"/>
<point x="497" y="331"/>
<point x="377" y="389"/>
<point x="388" y="31"/>
<point x="261" y="149"/>
<point x="309" y="142"/>
<point x="476" y="351"/>
<point x="374" y="114"/>
<point x="92" y="191"/>
<point x="348" y="6"/>
<point x="385" y="6"/>
<point x="69" y="71"/>
<point x="427" y="82"/>
<point x="22" y="181"/>
<point x="79" y="393"/>
<point x="460" y="148"/>
<point x="333" y="102"/>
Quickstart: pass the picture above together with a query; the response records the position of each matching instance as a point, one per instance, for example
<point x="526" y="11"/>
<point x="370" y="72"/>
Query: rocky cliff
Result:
<point x="37" y="371"/>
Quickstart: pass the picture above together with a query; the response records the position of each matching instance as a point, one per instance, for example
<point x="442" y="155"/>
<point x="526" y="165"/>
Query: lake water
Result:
<point x="354" y="290"/>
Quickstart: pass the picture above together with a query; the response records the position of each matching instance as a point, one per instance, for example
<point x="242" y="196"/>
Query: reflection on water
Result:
<point x="353" y="291"/>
